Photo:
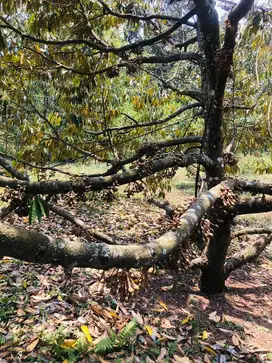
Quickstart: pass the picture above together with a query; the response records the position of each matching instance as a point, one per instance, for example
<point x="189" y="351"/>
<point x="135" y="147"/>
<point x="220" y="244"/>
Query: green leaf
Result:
<point x="32" y="212"/>
<point x="38" y="210"/>
<point x="104" y="346"/>
<point x="128" y="330"/>
<point x="43" y="206"/>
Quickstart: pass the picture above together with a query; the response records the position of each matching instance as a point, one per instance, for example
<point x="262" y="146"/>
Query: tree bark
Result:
<point x="104" y="182"/>
<point x="39" y="248"/>
<point x="212" y="279"/>
<point x="249" y="254"/>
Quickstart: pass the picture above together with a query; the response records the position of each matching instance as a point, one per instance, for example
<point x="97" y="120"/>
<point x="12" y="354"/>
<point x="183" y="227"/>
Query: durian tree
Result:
<point x="145" y="88"/>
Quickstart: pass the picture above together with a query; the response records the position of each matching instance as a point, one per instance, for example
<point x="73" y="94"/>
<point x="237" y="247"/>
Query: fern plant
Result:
<point x="172" y="348"/>
<point x="107" y="345"/>
<point x="104" y="346"/>
<point x="128" y="331"/>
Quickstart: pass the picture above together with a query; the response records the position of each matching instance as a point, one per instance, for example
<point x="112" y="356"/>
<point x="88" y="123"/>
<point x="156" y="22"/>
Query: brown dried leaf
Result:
<point x="235" y="340"/>
<point x="162" y="354"/>
<point x="214" y="317"/>
<point x="32" y="345"/>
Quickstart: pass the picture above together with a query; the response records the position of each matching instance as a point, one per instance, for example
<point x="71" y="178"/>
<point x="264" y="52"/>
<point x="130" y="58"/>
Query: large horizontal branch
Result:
<point x="36" y="247"/>
<point x="37" y="166"/>
<point x="99" y="46"/>
<point x="249" y="254"/>
<point x="255" y="187"/>
<point x="253" y="205"/>
<point x="137" y="17"/>
<point x="147" y="124"/>
<point x="151" y="149"/>
<point x="176" y="57"/>
<point x="99" y="183"/>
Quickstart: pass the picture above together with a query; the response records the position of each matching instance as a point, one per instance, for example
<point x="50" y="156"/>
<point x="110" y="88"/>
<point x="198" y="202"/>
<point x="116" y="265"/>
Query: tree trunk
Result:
<point x="213" y="274"/>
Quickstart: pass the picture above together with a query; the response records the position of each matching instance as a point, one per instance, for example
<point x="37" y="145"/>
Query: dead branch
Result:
<point x="78" y="222"/>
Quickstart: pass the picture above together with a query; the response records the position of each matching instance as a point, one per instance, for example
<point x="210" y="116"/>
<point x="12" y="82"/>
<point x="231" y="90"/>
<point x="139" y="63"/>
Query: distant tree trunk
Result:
<point x="213" y="274"/>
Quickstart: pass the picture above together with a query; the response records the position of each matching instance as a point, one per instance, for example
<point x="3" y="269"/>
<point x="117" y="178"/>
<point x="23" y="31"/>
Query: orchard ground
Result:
<point x="42" y="313"/>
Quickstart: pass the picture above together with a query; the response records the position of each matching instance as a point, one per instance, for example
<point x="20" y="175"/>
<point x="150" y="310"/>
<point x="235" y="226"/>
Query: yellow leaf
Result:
<point x="86" y="332"/>
<point x="163" y="305"/>
<point x="210" y="350"/>
<point x="113" y="314"/>
<point x="37" y="48"/>
<point x="68" y="343"/>
<point x="65" y="361"/>
<point x="7" y="259"/>
<point x="135" y="100"/>
<point x="205" y="335"/>
<point x="187" y="319"/>
<point x="139" y="105"/>
<point x="163" y="133"/>
<point x="22" y="58"/>
<point x="85" y="112"/>
<point x="32" y="345"/>
<point x="149" y="330"/>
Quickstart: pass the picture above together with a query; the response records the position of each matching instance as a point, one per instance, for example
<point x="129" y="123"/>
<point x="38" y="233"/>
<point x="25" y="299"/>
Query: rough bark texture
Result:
<point x="216" y="68"/>
<point x="253" y="205"/>
<point x="104" y="182"/>
<point x="255" y="187"/>
<point x="249" y="254"/>
<point x="213" y="273"/>
<point x="36" y="247"/>
<point x="242" y="232"/>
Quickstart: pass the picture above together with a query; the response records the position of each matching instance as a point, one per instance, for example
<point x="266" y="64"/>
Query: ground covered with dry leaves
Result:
<point x="47" y="316"/>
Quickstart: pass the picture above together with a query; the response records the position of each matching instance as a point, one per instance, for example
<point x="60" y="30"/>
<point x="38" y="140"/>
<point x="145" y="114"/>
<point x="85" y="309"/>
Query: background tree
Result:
<point x="143" y="88"/>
